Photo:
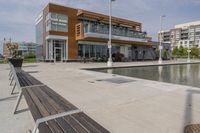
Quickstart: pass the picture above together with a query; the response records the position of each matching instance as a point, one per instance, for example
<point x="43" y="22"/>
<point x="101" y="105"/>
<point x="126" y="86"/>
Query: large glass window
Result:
<point x="103" y="28"/>
<point x="57" y="22"/>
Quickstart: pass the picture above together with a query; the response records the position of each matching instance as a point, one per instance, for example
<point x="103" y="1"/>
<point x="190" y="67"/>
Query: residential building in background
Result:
<point x="24" y="48"/>
<point x="186" y="35"/>
<point x="70" y="34"/>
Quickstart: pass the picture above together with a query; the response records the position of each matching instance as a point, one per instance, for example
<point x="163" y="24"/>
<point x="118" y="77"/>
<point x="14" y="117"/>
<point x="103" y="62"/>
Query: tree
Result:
<point x="195" y="52"/>
<point x="182" y="51"/>
<point x="175" y="51"/>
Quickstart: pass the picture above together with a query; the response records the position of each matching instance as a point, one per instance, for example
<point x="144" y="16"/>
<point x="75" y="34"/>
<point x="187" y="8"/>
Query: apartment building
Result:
<point x="186" y="35"/>
<point x="68" y="34"/>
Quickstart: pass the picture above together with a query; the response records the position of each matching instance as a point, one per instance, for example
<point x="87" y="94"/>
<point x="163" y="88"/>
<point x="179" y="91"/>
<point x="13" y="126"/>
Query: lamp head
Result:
<point x="163" y="16"/>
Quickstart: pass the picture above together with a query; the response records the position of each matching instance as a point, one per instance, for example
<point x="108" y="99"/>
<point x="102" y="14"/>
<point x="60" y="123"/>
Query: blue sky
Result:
<point x="18" y="16"/>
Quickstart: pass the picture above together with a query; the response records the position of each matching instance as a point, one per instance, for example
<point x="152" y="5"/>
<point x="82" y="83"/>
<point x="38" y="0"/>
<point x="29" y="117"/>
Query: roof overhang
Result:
<point x="101" y="17"/>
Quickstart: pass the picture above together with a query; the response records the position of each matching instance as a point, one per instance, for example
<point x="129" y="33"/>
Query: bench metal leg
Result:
<point x="11" y="75"/>
<point x="18" y="101"/>
<point x="13" y="89"/>
<point x="11" y="81"/>
<point x="51" y="117"/>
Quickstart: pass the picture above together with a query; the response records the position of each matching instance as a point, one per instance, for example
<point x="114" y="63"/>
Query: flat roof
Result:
<point x="102" y="17"/>
<point x="185" y="25"/>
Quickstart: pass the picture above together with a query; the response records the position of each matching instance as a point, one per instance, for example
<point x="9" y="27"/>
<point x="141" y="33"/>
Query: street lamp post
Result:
<point x="160" y="46"/>
<point x="110" y="63"/>
<point x="188" y="59"/>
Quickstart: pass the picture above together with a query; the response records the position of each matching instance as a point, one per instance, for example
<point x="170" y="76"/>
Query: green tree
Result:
<point x="195" y="52"/>
<point x="182" y="52"/>
<point x="175" y="51"/>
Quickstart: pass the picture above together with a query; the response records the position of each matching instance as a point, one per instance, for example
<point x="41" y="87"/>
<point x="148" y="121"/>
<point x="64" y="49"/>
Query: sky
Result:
<point x="18" y="16"/>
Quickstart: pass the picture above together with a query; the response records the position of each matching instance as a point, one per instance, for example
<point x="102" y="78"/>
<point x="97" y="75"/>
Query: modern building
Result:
<point x="186" y="35"/>
<point x="68" y="34"/>
<point x="24" y="48"/>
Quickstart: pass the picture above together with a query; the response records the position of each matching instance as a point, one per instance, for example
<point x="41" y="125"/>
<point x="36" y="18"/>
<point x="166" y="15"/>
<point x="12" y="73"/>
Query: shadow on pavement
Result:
<point x="8" y="98"/>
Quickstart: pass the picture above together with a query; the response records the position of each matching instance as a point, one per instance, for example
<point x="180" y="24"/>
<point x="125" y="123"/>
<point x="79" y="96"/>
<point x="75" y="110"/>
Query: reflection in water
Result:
<point x="160" y="68"/>
<point x="179" y="74"/>
<point x="110" y="71"/>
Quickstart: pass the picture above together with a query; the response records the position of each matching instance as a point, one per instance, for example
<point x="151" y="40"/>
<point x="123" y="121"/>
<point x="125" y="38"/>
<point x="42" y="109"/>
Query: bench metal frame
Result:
<point x="20" y="96"/>
<point x="19" y="87"/>
<point x="51" y="117"/>
<point x="13" y="74"/>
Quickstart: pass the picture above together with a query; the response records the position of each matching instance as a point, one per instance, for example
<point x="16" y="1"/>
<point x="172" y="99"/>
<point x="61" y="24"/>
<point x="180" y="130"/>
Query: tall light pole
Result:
<point x="160" y="46"/>
<point x="110" y="63"/>
<point x="4" y="46"/>
<point x="188" y="59"/>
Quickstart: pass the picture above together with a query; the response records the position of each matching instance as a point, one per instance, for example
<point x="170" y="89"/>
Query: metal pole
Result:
<point x="160" y="46"/>
<point x="188" y="59"/>
<point x="4" y="46"/>
<point x="110" y="63"/>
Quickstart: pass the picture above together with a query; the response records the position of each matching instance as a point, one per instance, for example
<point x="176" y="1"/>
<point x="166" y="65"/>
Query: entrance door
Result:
<point x="58" y="53"/>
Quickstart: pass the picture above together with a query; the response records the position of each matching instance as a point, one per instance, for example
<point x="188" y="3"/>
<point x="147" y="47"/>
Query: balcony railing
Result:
<point x="116" y="31"/>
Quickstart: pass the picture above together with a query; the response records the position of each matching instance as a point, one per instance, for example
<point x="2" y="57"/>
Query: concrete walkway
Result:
<point x="140" y="106"/>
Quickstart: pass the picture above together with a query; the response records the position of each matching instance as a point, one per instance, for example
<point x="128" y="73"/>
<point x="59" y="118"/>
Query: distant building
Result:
<point x="166" y="51"/>
<point x="24" y="48"/>
<point x="68" y="34"/>
<point x="186" y="35"/>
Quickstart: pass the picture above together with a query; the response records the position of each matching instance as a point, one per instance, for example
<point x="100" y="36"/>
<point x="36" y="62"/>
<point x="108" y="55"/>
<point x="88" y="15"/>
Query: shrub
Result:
<point x="30" y="55"/>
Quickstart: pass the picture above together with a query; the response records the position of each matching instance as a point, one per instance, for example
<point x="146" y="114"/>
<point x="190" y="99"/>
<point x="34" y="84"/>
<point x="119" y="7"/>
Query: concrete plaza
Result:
<point x="140" y="106"/>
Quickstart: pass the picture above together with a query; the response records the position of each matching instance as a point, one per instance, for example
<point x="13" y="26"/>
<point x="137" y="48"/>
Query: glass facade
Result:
<point x="56" y="50"/>
<point x="56" y="22"/>
<point x="119" y="52"/>
<point x="26" y="48"/>
<point x="103" y="28"/>
<point x="39" y="33"/>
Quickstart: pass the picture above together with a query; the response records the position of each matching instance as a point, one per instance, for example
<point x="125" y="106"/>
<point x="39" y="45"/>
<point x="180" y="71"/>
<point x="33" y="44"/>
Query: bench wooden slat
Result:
<point x="33" y="108"/>
<point x="63" y="102"/>
<point x="86" y="124"/>
<point x="53" y="108"/>
<point x="92" y="122"/>
<point x="21" y="81"/>
<point x="26" y="79"/>
<point x="52" y="105"/>
<point x="37" y="102"/>
<point x="44" y="102"/>
<point x="75" y="124"/>
<point x="35" y="113"/>
<point x="54" y="126"/>
<point x="65" y="126"/>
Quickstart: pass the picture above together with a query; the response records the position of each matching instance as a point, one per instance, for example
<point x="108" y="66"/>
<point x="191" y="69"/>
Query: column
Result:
<point x="46" y="49"/>
<point x="51" y="49"/>
<point x="66" y="48"/>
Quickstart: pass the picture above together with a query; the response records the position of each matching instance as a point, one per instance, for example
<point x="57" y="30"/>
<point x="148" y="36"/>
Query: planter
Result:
<point x="16" y="62"/>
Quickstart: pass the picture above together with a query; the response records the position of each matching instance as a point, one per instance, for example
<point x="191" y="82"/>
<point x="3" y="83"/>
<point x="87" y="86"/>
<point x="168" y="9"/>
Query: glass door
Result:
<point x="58" y="52"/>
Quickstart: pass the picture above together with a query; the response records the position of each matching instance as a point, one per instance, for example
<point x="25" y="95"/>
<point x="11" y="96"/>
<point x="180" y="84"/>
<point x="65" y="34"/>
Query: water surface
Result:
<point x="188" y="74"/>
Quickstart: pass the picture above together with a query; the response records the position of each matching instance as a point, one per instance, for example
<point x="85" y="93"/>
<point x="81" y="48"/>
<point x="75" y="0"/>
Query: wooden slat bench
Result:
<point x="23" y="79"/>
<point x="51" y="112"/>
<point x="44" y="102"/>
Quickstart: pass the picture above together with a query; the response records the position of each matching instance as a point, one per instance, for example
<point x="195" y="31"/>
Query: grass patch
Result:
<point x="29" y="60"/>
<point x="3" y="61"/>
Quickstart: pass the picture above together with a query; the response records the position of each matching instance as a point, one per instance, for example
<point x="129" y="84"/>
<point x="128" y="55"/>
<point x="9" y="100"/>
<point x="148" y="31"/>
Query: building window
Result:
<point x="57" y="22"/>
<point x="185" y="42"/>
